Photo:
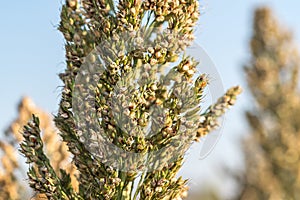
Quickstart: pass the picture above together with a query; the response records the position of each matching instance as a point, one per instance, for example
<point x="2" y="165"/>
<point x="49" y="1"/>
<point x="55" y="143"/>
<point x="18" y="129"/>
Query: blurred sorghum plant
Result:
<point x="272" y="152"/>
<point x="11" y="186"/>
<point x="127" y="115"/>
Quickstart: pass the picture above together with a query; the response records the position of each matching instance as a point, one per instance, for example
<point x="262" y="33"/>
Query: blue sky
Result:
<point x="32" y="55"/>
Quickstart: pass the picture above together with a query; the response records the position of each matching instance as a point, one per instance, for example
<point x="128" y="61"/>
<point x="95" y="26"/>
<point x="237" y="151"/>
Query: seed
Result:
<point x="158" y="189"/>
<point x="72" y="4"/>
<point x="185" y="68"/>
<point x="190" y="72"/>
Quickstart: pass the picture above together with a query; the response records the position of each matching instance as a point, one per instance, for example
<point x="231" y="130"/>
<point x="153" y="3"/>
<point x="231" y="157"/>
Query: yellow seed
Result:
<point x="190" y="72"/>
<point x="153" y="61"/>
<point x="160" y="18"/>
<point x="72" y="4"/>
<point x="133" y="11"/>
<point x="84" y="33"/>
<point x="185" y="68"/>
<point x="158" y="102"/>
<point x="158" y="54"/>
<point x="92" y="58"/>
<point x="173" y="58"/>
<point x="154" y="87"/>
<point x="71" y="21"/>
